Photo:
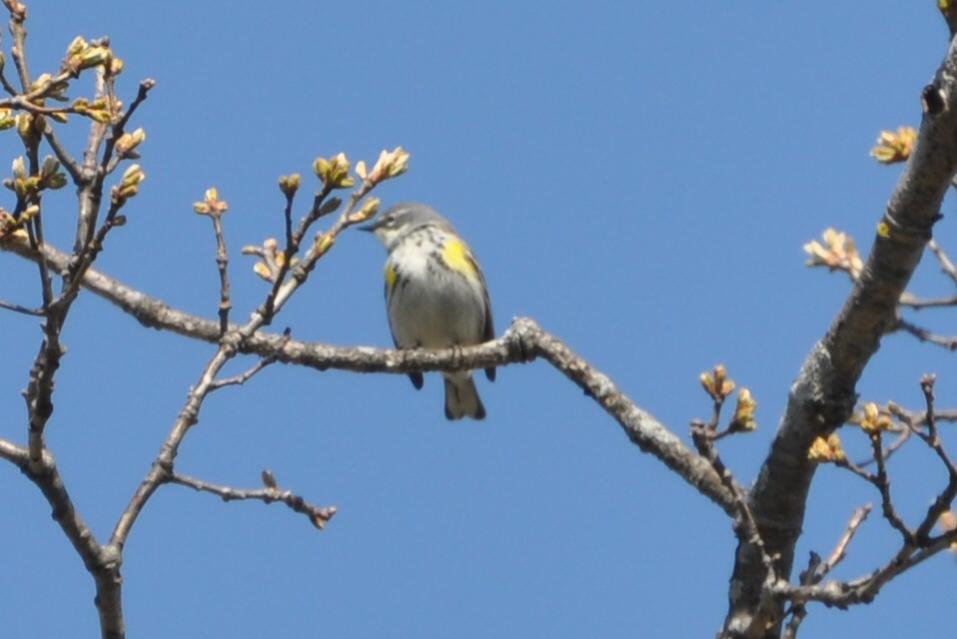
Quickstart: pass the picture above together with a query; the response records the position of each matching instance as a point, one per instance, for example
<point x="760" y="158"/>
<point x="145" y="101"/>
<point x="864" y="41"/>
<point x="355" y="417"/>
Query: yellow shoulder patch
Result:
<point x="457" y="257"/>
<point x="390" y="277"/>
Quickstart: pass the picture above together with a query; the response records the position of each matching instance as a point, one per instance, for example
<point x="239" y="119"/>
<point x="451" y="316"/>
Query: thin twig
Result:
<point x="91" y="189"/>
<point x="840" y="550"/>
<point x="245" y="376"/>
<point x="68" y="162"/>
<point x="862" y="590"/>
<point x="745" y="527"/>
<point x="16" y="308"/>
<point x="19" y="34"/>
<point x="946" y="266"/>
<point x="318" y="515"/>
<point x="229" y="345"/>
<point x="892" y="448"/>
<point x="222" y="265"/>
<point x="946" y="497"/>
<point x="916" y="547"/>
<point x="817" y="569"/>
<point x="109" y="161"/>
<point x="294" y="240"/>
<point x="882" y="482"/>
<point x="521" y="343"/>
<point x="35" y="234"/>
<point x="924" y="335"/>
<point x="82" y="262"/>
<point x="101" y="561"/>
<point x="918" y="303"/>
<point x="5" y="83"/>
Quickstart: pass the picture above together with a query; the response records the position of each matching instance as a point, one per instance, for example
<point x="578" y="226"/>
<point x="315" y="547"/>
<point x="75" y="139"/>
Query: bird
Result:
<point x="435" y="295"/>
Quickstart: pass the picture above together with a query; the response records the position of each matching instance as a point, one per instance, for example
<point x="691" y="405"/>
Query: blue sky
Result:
<point x="638" y="178"/>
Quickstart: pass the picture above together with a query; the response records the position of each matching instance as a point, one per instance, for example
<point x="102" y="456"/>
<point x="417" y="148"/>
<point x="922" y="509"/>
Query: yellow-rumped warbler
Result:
<point x="435" y="295"/>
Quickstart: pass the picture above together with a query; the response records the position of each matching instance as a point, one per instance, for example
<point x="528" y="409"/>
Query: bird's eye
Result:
<point x="390" y="221"/>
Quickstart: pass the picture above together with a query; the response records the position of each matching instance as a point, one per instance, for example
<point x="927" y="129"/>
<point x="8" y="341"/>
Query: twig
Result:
<point x="66" y="160"/>
<point x="39" y="392"/>
<point x="229" y="344"/>
<point x="521" y="343"/>
<point x="5" y="83"/>
<point x="16" y="308"/>
<point x="916" y="419"/>
<point x="857" y="470"/>
<point x="924" y="335"/>
<point x="916" y="546"/>
<point x="864" y="589"/>
<point x="946" y="266"/>
<point x="318" y="515"/>
<point x="745" y="527"/>
<point x="823" y="395"/>
<point x="101" y="562"/>
<point x="222" y="265"/>
<point x="19" y="33"/>
<point x="79" y="264"/>
<point x="245" y="376"/>
<point x="882" y="482"/>
<point x="109" y="161"/>
<point x="890" y="449"/>
<point x="294" y="240"/>
<point x="840" y="550"/>
<point x="947" y="495"/>
<point x="91" y="189"/>
<point x="917" y="303"/>
<point x="817" y="569"/>
<point x="35" y="235"/>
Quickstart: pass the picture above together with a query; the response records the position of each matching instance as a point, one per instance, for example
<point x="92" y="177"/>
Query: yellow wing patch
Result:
<point x="390" y="277"/>
<point x="457" y="257"/>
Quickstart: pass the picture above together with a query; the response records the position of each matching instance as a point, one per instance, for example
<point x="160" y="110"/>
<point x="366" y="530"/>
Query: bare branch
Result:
<point x="16" y="308"/>
<point x="917" y="303"/>
<point x="818" y="569"/>
<point x="857" y="470"/>
<point x="924" y="335"/>
<point x="229" y="345"/>
<point x="882" y="482"/>
<point x="222" y="265"/>
<point x="66" y="160"/>
<point x="13" y="453"/>
<point x="840" y="550"/>
<point x="5" y="83"/>
<point x="109" y="161"/>
<point x="947" y="495"/>
<point x="946" y="266"/>
<point x="745" y="527"/>
<point x="318" y="515"/>
<point x="293" y="240"/>
<point x="863" y="589"/>
<point x="521" y="343"/>
<point x="824" y="394"/>
<point x="102" y="562"/>
<point x="245" y="376"/>
<point x="887" y="452"/>
<point x="18" y="15"/>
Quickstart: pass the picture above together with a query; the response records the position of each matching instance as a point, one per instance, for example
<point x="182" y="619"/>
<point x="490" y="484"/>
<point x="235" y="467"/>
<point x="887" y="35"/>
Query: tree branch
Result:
<point x="317" y="515"/>
<point x="521" y="343"/>
<point x="924" y="335"/>
<point x="862" y="590"/>
<point x="823" y="396"/>
<point x="818" y="569"/>
<point x="101" y="561"/>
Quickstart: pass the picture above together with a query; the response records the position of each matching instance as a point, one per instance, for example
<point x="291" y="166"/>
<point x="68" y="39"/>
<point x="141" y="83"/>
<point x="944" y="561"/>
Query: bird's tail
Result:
<point x="461" y="398"/>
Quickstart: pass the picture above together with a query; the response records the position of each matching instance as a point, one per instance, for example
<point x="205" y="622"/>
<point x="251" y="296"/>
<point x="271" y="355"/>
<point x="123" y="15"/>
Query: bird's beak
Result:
<point x="368" y="228"/>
